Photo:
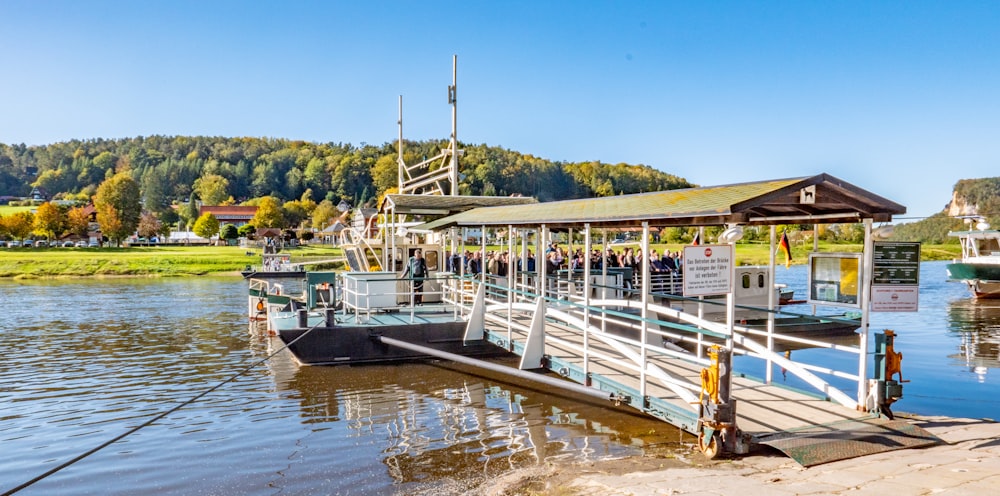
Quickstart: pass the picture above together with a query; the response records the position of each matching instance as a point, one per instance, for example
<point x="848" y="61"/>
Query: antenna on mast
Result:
<point x="420" y="179"/>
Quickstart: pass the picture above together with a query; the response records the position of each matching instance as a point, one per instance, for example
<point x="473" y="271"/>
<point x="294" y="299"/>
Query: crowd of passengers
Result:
<point x="498" y="263"/>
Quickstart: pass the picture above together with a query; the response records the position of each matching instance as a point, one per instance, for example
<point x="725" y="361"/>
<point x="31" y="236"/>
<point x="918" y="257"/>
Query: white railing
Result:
<point x="667" y="332"/>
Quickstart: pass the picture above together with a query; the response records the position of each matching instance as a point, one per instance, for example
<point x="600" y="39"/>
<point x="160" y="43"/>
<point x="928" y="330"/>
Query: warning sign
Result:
<point x="708" y="270"/>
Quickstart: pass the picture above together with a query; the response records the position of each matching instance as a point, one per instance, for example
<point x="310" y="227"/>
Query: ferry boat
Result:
<point x="979" y="267"/>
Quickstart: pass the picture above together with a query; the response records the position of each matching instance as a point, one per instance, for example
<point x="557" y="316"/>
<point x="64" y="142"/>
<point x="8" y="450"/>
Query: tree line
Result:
<point x="169" y="168"/>
<point x="148" y="184"/>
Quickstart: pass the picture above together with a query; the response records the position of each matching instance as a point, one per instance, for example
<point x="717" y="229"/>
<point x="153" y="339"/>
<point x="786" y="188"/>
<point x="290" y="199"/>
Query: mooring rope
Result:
<point x="157" y="417"/>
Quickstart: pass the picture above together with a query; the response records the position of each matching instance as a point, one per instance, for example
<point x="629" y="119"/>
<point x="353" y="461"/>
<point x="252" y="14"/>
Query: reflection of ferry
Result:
<point x="426" y="427"/>
<point x="980" y="264"/>
<point x="978" y="326"/>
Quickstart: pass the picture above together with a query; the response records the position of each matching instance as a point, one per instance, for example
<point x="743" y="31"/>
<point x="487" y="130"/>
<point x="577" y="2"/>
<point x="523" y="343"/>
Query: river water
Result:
<point x="89" y="360"/>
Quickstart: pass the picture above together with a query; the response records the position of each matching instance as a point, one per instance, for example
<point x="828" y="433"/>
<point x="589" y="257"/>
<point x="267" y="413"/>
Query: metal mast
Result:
<point x="424" y="178"/>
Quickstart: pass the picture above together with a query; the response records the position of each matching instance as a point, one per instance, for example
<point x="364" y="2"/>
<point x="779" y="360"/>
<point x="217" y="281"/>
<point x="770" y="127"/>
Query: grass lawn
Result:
<point x="6" y="210"/>
<point x="165" y="261"/>
<point x="141" y="261"/>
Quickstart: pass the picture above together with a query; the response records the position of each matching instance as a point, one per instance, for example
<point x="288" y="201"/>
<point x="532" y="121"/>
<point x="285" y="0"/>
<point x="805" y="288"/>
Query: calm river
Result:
<point x="89" y="360"/>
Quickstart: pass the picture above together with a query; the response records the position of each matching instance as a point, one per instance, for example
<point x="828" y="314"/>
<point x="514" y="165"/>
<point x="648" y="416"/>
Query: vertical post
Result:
<point x="542" y="264"/>
<point x="400" y="165"/>
<point x="644" y="298"/>
<point x="604" y="278"/>
<point x="482" y="253"/>
<point x="570" y="284"/>
<point x="866" y="287"/>
<point x="453" y="100"/>
<point x="769" y="374"/>
<point x="390" y="243"/>
<point x="510" y="275"/>
<point x="524" y="261"/>
<point x="586" y="299"/>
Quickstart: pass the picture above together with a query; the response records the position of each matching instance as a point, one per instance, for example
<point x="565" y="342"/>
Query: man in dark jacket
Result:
<point x="416" y="267"/>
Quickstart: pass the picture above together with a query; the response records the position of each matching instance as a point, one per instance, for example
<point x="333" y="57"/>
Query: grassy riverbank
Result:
<point x="158" y="261"/>
<point x="165" y="261"/>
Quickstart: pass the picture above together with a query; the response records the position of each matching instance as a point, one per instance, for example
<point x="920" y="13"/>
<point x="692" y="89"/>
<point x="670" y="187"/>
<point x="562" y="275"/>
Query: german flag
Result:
<point x="786" y="248"/>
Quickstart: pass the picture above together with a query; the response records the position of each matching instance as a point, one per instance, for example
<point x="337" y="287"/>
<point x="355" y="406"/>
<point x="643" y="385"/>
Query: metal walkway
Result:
<point x="630" y="358"/>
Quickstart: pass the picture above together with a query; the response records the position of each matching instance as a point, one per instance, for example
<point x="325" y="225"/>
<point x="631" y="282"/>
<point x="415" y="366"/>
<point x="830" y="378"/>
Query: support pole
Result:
<point x="644" y="298"/>
<point x="769" y="373"/>
<point x="866" y="288"/>
<point x="586" y="299"/>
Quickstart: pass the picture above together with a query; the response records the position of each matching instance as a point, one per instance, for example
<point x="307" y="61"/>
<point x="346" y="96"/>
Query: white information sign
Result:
<point x="708" y="270"/>
<point x="895" y="298"/>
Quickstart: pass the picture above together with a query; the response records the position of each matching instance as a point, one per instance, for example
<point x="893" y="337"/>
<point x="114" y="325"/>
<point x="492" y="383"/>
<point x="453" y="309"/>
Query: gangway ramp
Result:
<point x="809" y="428"/>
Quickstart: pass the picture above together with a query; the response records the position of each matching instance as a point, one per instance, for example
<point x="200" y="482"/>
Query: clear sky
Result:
<point x="900" y="98"/>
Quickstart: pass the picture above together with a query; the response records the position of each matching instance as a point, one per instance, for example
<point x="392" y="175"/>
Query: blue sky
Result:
<point x="900" y="98"/>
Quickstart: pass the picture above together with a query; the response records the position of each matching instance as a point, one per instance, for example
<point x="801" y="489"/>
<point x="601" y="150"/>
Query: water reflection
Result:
<point x="434" y="429"/>
<point x="977" y="324"/>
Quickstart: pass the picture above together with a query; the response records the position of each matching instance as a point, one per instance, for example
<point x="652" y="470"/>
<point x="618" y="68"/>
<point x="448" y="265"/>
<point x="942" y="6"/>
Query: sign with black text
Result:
<point x="895" y="277"/>
<point x="708" y="270"/>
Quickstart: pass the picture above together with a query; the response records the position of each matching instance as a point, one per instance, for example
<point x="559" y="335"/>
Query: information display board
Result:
<point x="835" y="279"/>
<point x="896" y="277"/>
<point x="896" y="263"/>
<point x="708" y="270"/>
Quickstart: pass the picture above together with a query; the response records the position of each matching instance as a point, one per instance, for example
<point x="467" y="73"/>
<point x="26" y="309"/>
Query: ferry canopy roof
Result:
<point x="814" y="199"/>
<point x="446" y="204"/>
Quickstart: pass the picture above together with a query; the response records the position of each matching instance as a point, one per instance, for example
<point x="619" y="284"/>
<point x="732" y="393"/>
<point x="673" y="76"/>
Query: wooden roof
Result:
<point x="813" y="199"/>
<point x="446" y="204"/>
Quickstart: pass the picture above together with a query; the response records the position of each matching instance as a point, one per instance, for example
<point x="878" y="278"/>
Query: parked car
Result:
<point x="67" y="244"/>
<point x="3" y="244"/>
<point x="94" y="244"/>
<point x="81" y="244"/>
<point x="14" y="244"/>
<point x="28" y="243"/>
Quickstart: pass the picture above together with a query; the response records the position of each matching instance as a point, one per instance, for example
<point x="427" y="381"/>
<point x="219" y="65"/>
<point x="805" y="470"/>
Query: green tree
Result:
<point x="118" y="207"/>
<point x="188" y="212"/>
<point x="154" y="190"/>
<point x="49" y="221"/>
<point x="324" y="214"/>
<point x="246" y="230"/>
<point x="268" y="214"/>
<point x="229" y="232"/>
<point x="213" y="189"/>
<point x="206" y="226"/>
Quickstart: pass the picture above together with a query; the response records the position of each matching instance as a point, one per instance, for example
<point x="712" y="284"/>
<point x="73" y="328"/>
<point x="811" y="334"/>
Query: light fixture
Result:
<point x="883" y="232"/>
<point x="732" y="234"/>
<point x="982" y="225"/>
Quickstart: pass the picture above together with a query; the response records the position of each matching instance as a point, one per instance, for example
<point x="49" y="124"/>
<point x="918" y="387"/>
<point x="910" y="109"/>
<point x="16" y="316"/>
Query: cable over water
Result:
<point x="155" y="418"/>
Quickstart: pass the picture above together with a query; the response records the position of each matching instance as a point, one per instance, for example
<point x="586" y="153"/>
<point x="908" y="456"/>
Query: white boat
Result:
<point x="979" y="267"/>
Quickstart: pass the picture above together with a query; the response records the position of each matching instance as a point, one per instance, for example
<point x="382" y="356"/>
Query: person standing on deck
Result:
<point x="416" y="267"/>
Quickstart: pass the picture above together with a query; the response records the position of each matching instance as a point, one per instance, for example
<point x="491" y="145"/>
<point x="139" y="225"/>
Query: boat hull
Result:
<point x="983" y="279"/>
<point x="358" y="344"/>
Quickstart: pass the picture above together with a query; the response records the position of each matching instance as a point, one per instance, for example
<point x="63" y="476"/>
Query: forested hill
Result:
<point x="970" y="197"/>
<point x="166" y="168"/>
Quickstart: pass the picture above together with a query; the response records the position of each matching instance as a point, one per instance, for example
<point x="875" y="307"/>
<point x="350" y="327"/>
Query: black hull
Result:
<point x="252" y="274"/>
<point x="358" y="344"/>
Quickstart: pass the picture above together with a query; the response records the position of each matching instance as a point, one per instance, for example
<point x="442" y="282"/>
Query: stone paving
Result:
<point x="969" y="464"/>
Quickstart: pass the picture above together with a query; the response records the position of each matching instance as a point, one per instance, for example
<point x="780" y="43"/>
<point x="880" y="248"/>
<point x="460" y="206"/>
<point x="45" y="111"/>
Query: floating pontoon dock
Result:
<point x="600" y="332"/>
